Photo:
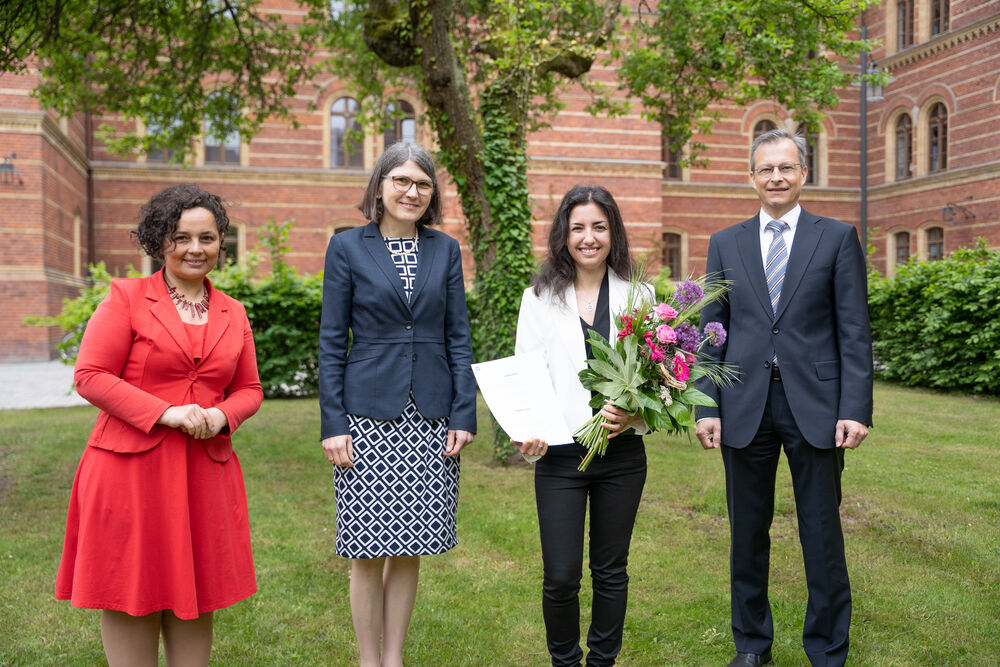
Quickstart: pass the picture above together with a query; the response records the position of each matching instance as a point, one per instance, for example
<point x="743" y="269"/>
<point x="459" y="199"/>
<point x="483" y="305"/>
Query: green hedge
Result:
<point x="935" y="324"/>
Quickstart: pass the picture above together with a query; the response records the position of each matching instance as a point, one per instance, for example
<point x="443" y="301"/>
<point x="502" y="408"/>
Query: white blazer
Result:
<point x="553" y="328"/>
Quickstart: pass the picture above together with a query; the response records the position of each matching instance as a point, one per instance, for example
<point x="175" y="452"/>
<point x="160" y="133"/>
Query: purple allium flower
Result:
<point x="688" y="337"/>
<point x="715" y="333"/>
<point x="688" y="292"/>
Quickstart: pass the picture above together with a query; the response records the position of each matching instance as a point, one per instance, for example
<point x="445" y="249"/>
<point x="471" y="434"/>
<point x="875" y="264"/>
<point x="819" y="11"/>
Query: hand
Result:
<point x="339" y="450"/>
<point x="849" y="433"/>
<point x="192" y="419"/>
<point x="532" y="449"/>
<point x="217" y="421"/>
<point x="456" y="441"/>
<point x="709" y="432"/>
<point x="616" y="420"/>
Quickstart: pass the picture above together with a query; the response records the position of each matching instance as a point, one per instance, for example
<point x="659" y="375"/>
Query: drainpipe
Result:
<point x="91" y="231"/>
<point x="864" y="140"/>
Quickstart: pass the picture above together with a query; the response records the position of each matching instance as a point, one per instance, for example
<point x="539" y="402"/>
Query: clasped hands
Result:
<point x="196" y="421"/>
<point x="339" y="449"/>
<point x="616" y="420"/>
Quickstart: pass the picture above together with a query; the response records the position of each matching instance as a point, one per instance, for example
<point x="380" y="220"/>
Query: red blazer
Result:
<point x="135" y="361"/>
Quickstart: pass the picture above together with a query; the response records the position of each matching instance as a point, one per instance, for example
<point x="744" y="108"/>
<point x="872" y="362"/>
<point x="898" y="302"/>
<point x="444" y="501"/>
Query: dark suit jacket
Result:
<point x="135" y="362"/>
<point x="422" y="346"/>
<point x="820" y="333"/>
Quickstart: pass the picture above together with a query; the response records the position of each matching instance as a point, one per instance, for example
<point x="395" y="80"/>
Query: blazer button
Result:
<point x="767" y="364"/>
<point x="414" y="356"/>
<point x="774" y="330"/>
<point x="408" y="326"/>
<point x="193" y="375"/>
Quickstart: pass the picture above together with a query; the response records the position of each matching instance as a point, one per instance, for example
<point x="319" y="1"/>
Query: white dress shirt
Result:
<point x="792" y="218"/>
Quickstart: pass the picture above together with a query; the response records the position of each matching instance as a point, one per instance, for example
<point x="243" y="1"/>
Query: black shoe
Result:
<point x="751" y="659"/>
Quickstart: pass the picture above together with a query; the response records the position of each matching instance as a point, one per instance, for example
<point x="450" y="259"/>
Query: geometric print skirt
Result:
<point x="401" y="495"/>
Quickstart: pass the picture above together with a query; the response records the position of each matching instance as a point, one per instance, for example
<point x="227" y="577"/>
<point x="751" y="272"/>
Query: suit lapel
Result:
<point x="163" y="309"/>
<point x="218" y="320"/>
<point x="748" y="242"/>
<point x="380" y="255"/>
<point x="567" y="324"/>
<point x="425" y="261"/>
<point x="807" y="235"/>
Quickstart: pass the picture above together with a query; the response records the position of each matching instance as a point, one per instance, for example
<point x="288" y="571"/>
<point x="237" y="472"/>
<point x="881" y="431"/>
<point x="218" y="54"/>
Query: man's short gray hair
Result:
<point x="772" y="136"/>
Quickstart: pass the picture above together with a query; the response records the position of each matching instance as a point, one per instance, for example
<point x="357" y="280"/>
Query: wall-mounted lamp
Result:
<point x="9" y="175"/>
<point x="951" y="209"/>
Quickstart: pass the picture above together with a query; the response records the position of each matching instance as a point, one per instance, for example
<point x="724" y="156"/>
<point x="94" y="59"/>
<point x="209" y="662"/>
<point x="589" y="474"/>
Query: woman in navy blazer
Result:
<point x="397" y="395"/>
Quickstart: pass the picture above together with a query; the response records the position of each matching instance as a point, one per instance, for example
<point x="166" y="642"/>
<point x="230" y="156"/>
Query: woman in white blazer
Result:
<point x="582" y="284"/>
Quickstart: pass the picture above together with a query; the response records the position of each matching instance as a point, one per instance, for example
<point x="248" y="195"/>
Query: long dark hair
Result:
<point x="559" y="270"/>
<point x="371" y="204"/>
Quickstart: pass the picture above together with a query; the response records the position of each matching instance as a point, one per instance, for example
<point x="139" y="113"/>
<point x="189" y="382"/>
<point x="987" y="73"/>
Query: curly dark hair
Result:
<point x="559" y="270"/>
<point x="371" y="204"/>
<point x="158" y="217"/>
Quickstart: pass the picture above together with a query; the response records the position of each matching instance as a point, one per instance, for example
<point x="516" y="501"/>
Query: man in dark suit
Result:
<point x="797" y="318"/>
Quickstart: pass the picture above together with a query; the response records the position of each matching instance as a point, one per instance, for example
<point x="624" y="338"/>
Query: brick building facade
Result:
<point x="933" y="161"/>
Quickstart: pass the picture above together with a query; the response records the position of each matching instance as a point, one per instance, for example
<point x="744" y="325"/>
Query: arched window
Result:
<point x="904" y="23"/>
<point x="938" y="126"/>
<point x="671" y="156"/>
<point x="672" y="253"/>
<point x="400" y="123"/>
<point x="904" y="147"/>
<point x="902" y="247"/>
<point x="762" y="126"/>
<point x="935" y="244"/>
<point x="345" y="147"/>
<point x="940" y="18"/>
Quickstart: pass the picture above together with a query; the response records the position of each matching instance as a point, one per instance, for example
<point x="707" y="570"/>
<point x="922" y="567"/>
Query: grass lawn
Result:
<point x="921" y="513"/>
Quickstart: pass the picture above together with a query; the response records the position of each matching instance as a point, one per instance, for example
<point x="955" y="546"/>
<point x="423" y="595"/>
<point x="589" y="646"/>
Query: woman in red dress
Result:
<point x="157" y="534"/>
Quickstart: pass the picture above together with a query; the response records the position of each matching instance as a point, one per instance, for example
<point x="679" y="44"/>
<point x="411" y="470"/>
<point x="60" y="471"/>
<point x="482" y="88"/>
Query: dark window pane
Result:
<point x="904" y="147"/>
<point x="345" y="152"/>
<point x="672" y="253"/>
<point x="935" y="244"/>
<point x="902" y="247"/>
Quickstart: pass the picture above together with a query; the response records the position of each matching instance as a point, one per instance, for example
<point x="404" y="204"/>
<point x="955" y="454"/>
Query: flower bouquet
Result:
<point x="651" y="367"/>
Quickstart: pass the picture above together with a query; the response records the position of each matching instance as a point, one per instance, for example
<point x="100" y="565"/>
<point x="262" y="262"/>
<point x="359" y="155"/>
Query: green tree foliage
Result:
<point x="153" y="60"/>
<point x="934" y="324"/>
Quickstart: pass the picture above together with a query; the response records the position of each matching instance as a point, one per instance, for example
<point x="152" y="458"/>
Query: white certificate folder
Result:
<point x="519" y="393"/>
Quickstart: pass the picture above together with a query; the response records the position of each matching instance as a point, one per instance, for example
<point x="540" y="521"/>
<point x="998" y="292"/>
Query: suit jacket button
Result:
<point x="408" y="326"/>
<point x="767" y="364"/>
<point x="414" y="356"/>
<point x="774" y="330"/>
<point x="193" y="375"/>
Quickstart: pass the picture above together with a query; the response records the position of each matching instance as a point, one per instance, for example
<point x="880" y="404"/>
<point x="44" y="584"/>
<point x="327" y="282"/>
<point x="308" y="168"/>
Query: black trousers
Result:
<point x="613" y="484"/>
<point x="750" y="478"/>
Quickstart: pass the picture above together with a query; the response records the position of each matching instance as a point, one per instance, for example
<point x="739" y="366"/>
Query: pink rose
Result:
<point x="665" y="312"/>
<point x="665" y="334"/>
<point x="681" y="370"/>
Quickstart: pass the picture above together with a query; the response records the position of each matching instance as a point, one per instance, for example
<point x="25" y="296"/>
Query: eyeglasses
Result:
<point x="783" y="169"/>
<point x="404" y="183"/>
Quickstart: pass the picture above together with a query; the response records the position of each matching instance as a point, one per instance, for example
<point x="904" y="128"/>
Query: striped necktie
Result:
<point x="777" y="259"/>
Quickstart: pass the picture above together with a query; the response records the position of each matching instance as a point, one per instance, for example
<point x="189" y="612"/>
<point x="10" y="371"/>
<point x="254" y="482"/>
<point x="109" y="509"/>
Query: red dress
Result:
<point x="157" y="519"/>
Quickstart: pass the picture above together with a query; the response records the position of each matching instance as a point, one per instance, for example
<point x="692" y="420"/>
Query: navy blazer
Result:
<point x="820" y="332"/>
<point x="423" y="346"/>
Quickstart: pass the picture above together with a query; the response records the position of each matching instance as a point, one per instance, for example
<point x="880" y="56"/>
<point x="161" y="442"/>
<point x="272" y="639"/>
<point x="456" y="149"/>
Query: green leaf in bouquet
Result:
<point x="692" y="396"/>
<point x="650" y="403"/>
<point x="658" y="421"/>
<point x="682" y="415"/>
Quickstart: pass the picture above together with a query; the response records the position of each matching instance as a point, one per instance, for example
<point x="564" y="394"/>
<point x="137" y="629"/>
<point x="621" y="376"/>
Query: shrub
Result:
<point x="934" y="324"/>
